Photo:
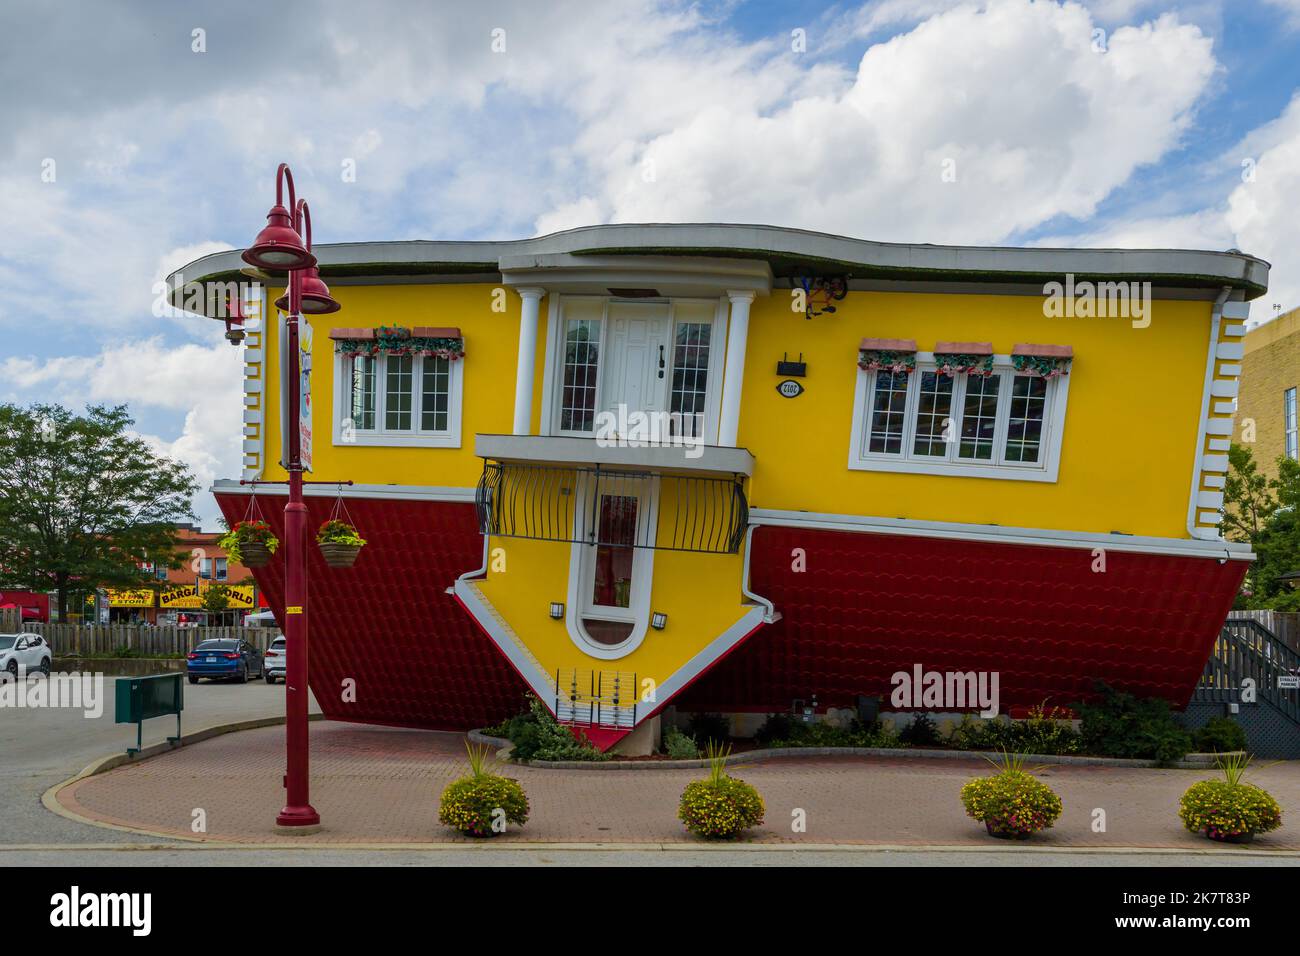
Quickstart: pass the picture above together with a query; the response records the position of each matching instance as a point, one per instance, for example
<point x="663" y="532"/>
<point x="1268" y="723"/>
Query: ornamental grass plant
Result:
<point x="1012" y="803"/>
<point x="720" y="806"/>
<point x="482" y="804"/>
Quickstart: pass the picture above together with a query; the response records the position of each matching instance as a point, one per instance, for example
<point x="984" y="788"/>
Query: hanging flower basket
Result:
<point x="250" y="543"/>
<point x="339" y="543"/>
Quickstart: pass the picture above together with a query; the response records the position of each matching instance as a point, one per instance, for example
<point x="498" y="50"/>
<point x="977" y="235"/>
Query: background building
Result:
<point x="1270" y="382"/>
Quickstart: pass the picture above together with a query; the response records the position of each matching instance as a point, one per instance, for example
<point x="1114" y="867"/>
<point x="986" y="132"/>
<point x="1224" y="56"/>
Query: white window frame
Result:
<point x="553" y="371"/>
<point x="1045" y="469"/>
<point x="1290" y="423"/>
<point x="379" y="436"/>
<point x="582" y="557"/>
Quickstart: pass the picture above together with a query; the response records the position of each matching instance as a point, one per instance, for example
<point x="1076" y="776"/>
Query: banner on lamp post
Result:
<point x="302" y="419"/>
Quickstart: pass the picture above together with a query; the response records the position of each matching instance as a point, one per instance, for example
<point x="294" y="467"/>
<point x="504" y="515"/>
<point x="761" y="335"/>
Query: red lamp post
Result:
<point x="279" y="248"/>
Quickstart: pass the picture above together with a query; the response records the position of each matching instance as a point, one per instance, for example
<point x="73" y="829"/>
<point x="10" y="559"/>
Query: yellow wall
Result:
<point x="1130" y="426"/>
<point x="700" y="593"/>
<point x="491" y="344"/>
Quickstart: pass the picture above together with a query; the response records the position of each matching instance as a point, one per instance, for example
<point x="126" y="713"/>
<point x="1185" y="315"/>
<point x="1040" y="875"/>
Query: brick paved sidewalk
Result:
<point x="381" y="785"/>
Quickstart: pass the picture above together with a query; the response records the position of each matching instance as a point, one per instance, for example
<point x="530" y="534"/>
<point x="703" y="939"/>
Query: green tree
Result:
<point x="1267" y="514"/>
<point x="216" y="598"/>
<point x="84" y="503"/>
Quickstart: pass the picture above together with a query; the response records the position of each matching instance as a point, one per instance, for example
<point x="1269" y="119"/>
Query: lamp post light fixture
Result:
<point x="280" y="248"/>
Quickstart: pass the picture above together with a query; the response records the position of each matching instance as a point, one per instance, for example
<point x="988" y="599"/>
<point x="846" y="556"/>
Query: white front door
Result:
<point x="638" y="357"/>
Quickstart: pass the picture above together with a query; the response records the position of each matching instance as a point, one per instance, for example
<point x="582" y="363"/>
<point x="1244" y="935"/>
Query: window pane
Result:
<point x="888" y="405"/>
<point x="1025" y="423"/>
<point x="933" y="410"/>
<point x="397" y="392"/>
<point x="581" y="357"/>
<point x="615" y="536"/>
<point x="361" y="402"/>
<point x="690" y="374"/>
<point x="1289" y="415"/>
<point x="435" y="388"/>
<point x="979" y="417"/>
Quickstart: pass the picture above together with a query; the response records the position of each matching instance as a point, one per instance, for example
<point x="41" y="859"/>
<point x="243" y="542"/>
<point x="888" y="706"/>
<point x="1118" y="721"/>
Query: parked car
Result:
<point x="224" y="658"/>
<point x="26" y="651"/>
<point x="275" y="660"/>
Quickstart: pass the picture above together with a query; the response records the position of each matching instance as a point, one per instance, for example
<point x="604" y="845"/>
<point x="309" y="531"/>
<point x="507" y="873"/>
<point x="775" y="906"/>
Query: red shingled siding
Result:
<point x="418" y="659"/>
<point x="870" y="605"/>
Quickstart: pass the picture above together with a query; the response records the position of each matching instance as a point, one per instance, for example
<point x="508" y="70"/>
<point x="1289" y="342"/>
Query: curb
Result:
<point x="498" y="846"/>
<point x="782" y="753"/>
<point x="49" y="799"/>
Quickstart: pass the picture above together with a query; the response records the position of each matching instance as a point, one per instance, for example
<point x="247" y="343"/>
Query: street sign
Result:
<point x="1288" y="682"/>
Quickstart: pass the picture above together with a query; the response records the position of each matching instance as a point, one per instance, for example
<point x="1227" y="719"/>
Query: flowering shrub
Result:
<point x="247" y="532"/>
<point x="720" y="806"/>
<point x="482" y="803"/>
<point x="1012" y="802"/>
<point x="1228" y="808"/>
<point x="1220" y="809"/>
<point x="335" y="531"/>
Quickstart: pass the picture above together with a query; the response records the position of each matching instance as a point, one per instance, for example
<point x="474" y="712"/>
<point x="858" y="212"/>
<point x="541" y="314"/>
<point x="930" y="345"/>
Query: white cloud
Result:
<point x="202" y="382"/>
<point x="1034" y="123"/>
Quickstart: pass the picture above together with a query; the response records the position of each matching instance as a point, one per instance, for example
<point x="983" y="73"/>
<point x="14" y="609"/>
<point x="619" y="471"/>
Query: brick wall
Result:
<point x="1271" y="366"/>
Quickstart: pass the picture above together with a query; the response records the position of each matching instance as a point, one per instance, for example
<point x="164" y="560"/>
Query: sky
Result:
<point x="137" y="136"/>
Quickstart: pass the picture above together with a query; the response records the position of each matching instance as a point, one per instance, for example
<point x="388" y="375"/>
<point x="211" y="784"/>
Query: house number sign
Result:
<point x="790" y="388"/>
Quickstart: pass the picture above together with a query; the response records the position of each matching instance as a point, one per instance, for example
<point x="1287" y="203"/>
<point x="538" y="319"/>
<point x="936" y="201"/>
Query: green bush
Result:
<point x="818" y="733"/>
<point x="1121" y="725"/>
<point x="1221" y="809"/>
<point x="1011" y="802"/>
<point x="1044" y="731"/>
<point x="706" y="727"/>
<point x="481" y="804"/>
<point x="720" y="806"/>
<point x="776" y="727"/>
<point x="537" y="736"/>
<point x="921" y="732"/>
<point x="1220" y="735"/>
<point x="680" y="746"/>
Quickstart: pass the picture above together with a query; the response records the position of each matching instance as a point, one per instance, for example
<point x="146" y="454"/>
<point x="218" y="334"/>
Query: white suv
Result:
<point x="26" y="652"/>
<point x="273" y="662"/>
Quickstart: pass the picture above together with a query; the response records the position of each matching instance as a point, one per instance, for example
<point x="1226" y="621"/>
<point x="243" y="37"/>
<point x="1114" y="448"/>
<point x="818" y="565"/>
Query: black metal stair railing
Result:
<point x="706" y="514"/>
<point x="1245" y="649"/>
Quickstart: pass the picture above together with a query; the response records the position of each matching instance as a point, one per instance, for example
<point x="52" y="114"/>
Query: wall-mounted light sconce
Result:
<point x="557" y="610"/>
<point x="658" y="620"/>
<point x="795" y="369"/>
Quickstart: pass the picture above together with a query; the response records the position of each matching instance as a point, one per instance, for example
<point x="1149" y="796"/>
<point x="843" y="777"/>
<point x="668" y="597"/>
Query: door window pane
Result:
<point x="979" y="417"/>
<point x="1025" y="423"/>
<point x="361" y="402"/>
<point x="615" y="535"/>
<point x="933" y="414"/>
<point x="397" y="392"/>
<point x="888" y="406"/>
<point x="690" y="374"/>
<point x="435" y="382"/>
<point x="581" y="358"/>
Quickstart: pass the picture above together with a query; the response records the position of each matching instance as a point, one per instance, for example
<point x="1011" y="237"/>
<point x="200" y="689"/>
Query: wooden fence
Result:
<point x="11" y="620"/>
<point x="77" y="640"/>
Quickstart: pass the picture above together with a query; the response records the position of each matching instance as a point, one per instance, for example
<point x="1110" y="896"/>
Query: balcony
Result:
<point x="659" y="459"/>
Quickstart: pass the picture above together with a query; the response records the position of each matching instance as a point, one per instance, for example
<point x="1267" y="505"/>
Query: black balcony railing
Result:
<point x="704" y="514"/>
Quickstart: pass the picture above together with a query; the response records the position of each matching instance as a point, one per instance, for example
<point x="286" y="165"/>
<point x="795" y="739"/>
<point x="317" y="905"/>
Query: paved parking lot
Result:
<point x="379" y="785"/>
<point x="39" y="748"/>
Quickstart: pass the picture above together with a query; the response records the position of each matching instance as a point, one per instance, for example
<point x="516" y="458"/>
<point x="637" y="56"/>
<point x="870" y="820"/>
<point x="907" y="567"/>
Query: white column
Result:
<point x="527" y="358"/>
<point x="737" y="334"/>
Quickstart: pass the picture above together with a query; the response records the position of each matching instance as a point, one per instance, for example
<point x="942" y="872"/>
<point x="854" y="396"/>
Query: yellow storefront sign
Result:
<point x="189" y="597"/>
<point x="130" y="597"/>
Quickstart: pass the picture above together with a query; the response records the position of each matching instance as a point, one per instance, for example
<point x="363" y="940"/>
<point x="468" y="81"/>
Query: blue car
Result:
<point x="227" y="658"/>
